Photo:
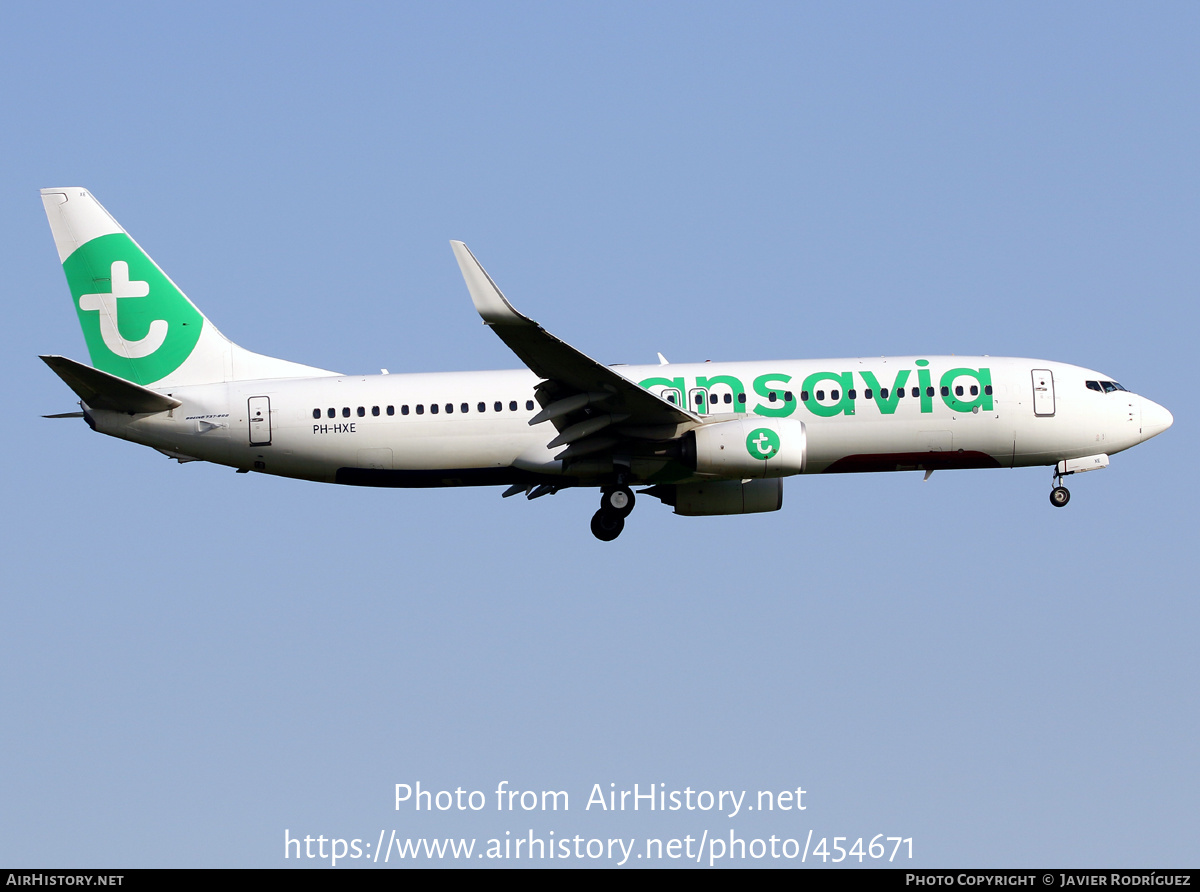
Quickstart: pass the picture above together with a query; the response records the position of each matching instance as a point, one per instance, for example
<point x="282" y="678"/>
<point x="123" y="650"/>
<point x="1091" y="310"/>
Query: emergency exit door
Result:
<point x="260" y="421"/>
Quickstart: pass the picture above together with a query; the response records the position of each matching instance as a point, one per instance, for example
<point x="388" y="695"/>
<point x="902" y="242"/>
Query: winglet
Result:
<point x="490" y="302"/>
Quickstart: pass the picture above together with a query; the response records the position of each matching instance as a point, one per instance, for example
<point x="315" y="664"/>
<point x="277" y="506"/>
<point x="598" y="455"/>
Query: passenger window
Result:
<point x="670" y="397"/>
<point x="900" y="392"/>
<point x="433" y="408"/>
<point x="867" y="393"/>
<point x="512" y="405"/>
<point x="771" y="397"/>
<point x="420" y="408"/>
<point x="332" y="413"/>
<point x="316" y="413"/>
<point x="945" y="391"/>
<point x="528" y="405"/>
<point x="498" y="406"/>
<point x="742" y="398"/>
<point x="883" y="392"/>
<point x="391" y="410"/>
<point x="728" y="398"/>
<point x="449" y="408"/>
<point x="835" y="394"/>
<point x="787" y="396"/>
<point x="482" y="407"/>
<point x="820" y="394"/>
<point x="403" y="409"/>
<point x="974" y="390"/>
<point x="345" y="411"/>
<point x="958" y="391"/>
<point x="362" y="412"/>
<point x="375" y="411"/>
<point x="464" y="408"/>
<point x="987" y="389"/>
<point x="804" y="396"/>
<point x="916" y="391"/>
<point x="853" y="394"/>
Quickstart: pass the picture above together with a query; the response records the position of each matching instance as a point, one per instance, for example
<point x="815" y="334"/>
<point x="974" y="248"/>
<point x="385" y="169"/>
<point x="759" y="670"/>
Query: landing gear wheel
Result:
<point x="1059" y="496"/>
<point x="619" y="501"/>
<point x="607" y="525"/>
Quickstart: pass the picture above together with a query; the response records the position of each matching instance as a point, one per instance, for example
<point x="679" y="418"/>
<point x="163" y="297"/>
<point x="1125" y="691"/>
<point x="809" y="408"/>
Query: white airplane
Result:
<point x="705" y="438"/>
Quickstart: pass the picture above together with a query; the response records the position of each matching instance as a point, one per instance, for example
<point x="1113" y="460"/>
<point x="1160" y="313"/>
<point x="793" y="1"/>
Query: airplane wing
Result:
<point x="581" y="396"/>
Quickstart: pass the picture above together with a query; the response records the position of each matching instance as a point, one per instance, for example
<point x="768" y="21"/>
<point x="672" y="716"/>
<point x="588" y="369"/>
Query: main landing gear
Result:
<point x="615" y="504"/>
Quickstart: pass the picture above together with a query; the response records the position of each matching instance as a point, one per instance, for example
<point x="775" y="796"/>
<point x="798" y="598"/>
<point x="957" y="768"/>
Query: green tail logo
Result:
<point x="137" y="324"/>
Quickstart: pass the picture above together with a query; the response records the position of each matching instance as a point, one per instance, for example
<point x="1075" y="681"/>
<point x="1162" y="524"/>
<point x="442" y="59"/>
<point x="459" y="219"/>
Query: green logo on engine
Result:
<point x="763" y="443"/>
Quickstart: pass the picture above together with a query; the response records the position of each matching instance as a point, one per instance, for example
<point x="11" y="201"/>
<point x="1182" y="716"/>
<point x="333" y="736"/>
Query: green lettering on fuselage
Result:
<point x="780" y="406"/>
<point x="839" y="383"/>
<point x="739" y="392"/>
<point x="983" y="397"/>
<point x="887" y="405"/>
<point x="843" y="406"/>
<point x="674" y="383"/>
<point x="926" y="391"/>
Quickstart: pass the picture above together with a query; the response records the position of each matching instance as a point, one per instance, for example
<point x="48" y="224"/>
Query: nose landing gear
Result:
<point x="1068" y="466"/>
<point x="1060" y="495"/>
<point x="615" y="505"/>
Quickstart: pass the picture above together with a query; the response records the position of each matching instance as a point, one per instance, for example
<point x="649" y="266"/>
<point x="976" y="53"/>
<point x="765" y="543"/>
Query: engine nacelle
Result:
<point x="747" y="448"/>
<point x="725" y="497"/>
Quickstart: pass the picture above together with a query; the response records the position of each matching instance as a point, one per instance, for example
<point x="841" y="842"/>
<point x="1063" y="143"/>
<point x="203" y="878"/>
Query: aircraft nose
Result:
<point x="1155" y="419"/>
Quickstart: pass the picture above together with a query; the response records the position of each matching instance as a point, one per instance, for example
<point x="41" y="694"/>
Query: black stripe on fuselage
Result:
<point x="912" y="461"/>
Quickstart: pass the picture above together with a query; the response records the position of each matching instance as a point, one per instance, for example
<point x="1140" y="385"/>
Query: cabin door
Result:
<point x="1043" y="392"/>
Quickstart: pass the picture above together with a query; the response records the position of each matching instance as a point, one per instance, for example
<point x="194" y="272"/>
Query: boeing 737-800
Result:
<point x="705" y="438"/>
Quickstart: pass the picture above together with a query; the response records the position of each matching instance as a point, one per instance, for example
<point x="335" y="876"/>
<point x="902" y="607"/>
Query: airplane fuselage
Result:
<point x="462" y="428"/>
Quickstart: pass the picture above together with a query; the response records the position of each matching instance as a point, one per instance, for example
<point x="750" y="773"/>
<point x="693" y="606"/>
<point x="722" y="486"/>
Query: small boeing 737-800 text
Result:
<point x="705" y="438"/>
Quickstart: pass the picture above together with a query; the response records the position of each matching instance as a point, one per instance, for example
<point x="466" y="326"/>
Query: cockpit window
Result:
<point x="1095" y="385"/>
<point x="1110" y="386"/>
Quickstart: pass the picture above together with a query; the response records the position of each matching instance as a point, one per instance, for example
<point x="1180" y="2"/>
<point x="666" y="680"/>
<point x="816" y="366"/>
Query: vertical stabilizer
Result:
<point x="137" y="323"/>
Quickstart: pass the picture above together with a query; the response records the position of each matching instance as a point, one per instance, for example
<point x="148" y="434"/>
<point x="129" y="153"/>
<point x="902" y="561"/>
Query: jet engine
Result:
<point x="747" y="448"/>
<point x="721" y="497"/>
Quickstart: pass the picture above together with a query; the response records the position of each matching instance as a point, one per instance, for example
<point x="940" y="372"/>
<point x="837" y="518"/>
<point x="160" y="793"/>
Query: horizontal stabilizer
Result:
<point x="100" y="390"/>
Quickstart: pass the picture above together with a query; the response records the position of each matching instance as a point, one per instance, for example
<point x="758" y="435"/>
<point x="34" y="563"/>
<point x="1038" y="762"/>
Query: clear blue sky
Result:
<point x="195" y="661"/>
